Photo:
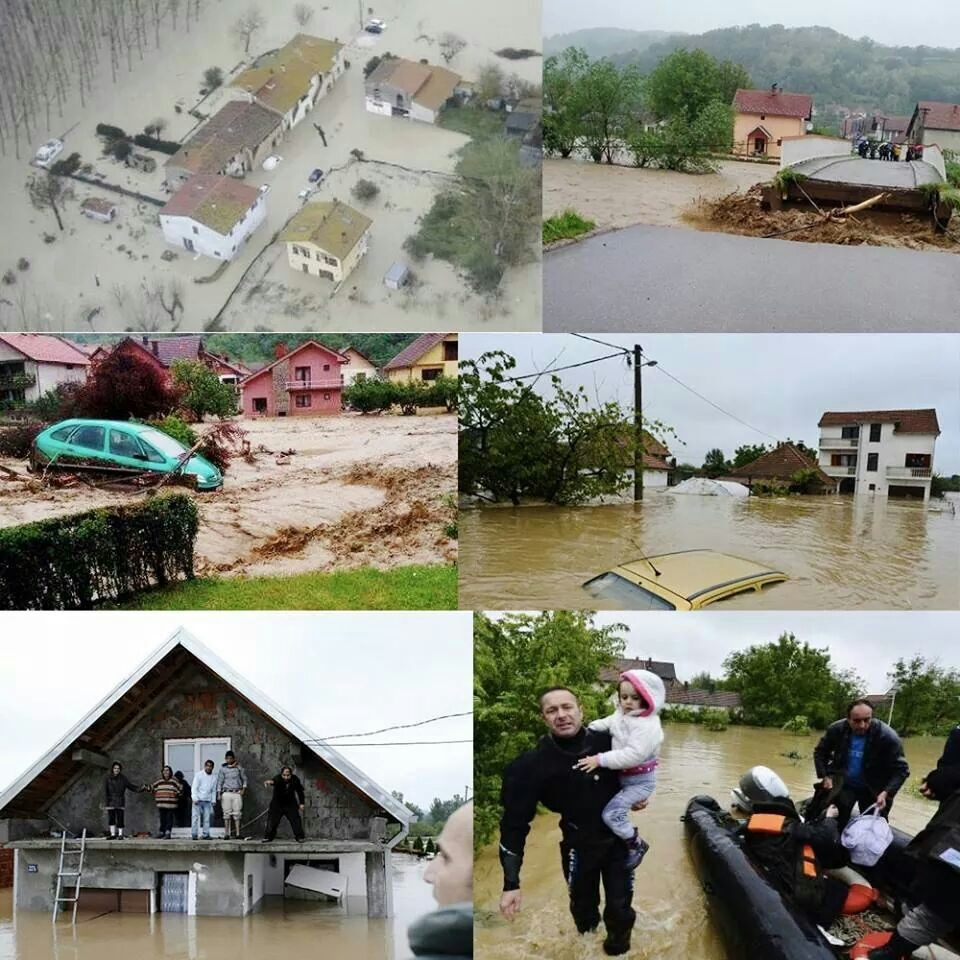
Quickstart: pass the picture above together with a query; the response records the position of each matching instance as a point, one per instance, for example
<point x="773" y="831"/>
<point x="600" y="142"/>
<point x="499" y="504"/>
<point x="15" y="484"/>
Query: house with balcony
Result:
<point x="431" y="356"/>
<point x="33" y="363"/>
<point x="181" y="706"/>
<point x="306" y="381"/>
<point x="880" y="452"/>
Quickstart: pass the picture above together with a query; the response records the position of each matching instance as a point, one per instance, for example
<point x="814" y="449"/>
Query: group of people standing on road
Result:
<point x="594" y="775"/>
<point x="182" y="804"/>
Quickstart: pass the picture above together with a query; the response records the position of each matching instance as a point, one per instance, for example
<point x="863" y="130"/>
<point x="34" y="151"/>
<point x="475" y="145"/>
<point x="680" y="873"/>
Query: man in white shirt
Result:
<point x="204" y="792"/>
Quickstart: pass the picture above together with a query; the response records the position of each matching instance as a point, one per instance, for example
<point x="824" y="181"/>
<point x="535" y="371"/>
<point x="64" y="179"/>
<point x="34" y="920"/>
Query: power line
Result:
<point x="604" y="343"/>
<point x="571" y="366"/>
<point x="399" y="743"/>
<point x="400" y="726"/>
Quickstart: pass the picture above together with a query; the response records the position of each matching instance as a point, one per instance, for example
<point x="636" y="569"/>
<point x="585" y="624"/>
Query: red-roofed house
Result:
<point x="33" y="363"/>
<point x="212" y="215"/>
<point x="935" y="122"/>
<point x="162" y="352"/>
<point x="764" y="117"/>
<point x="779" y="466"/>
<point x="428" y="357"/>
<point x="884" y="452"/>
<point x="307" y="381"/>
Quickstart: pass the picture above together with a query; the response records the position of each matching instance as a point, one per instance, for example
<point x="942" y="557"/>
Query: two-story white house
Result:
<point x="212" y="215"/>
<point x="33" y="363"/>
<point x="883" y="452"/>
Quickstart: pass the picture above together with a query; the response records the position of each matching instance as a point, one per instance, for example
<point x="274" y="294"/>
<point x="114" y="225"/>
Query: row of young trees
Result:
<point x="373" y="395"/>
<point x="517" y="443"/>
<point x="674" y="118"/>
<point x="51" y="50"/>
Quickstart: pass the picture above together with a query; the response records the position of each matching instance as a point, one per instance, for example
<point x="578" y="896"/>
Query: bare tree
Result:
<point x="490" y="82"/>
<point x="244" y="28"/>
<point x="155" y="127"/>
<point x="303" y="13"/>
<point x="450" y="45"/>
<point x="48" y="192"/>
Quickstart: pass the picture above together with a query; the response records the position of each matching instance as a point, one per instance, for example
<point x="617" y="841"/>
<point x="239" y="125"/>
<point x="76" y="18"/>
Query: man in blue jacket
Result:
<point x="860" y="760"/>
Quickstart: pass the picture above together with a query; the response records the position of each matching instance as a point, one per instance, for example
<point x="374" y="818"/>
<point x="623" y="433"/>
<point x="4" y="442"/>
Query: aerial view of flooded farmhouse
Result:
<point x="294" y="166"/>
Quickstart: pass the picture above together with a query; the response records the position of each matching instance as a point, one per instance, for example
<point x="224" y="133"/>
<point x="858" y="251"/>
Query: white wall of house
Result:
<point x="254" y="867"/>
<point x="186" y="234"/>
<point x="891" y="451"/>
<point x="380" y="107"/>
<point x="357" y="366"/>
<point x="46" y="375"/>
<point x="351" y="865"/>
<point x="945" y="139"/>
<point x="795" y="149"/>
<point x="420" y="112"/>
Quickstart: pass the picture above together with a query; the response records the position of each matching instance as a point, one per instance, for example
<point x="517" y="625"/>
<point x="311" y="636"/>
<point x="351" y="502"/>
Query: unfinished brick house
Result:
<point x="181" y="706"/>
<point x="306" y="381"/>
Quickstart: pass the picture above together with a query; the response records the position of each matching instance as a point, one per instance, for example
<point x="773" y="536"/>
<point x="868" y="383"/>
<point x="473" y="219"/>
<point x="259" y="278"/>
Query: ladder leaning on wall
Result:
<point x="72" y="852"/>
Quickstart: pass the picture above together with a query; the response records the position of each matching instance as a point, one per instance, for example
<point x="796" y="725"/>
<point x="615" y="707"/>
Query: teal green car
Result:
<point x="119" y="447"/>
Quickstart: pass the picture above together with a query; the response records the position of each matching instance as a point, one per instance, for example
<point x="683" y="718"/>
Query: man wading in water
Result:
<point x="590" y="853"/>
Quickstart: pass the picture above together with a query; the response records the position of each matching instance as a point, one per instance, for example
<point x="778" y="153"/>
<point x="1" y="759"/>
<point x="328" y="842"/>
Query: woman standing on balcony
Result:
<point x="166" y="795"/>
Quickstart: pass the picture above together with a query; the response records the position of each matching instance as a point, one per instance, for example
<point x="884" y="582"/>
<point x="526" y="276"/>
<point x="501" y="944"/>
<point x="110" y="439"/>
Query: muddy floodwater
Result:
<point x="839" y="553"/>
<point x="671" y="919"/>
<point x="284" y="928"/>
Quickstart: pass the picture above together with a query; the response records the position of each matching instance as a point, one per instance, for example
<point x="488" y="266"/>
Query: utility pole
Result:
<point x="637" y="423"/>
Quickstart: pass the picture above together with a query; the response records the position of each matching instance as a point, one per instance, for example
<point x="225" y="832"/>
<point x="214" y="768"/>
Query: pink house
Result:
<point x="306" y="381"/>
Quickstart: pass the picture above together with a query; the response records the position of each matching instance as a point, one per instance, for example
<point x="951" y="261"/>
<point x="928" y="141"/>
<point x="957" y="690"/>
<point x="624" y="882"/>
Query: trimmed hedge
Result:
<point x="153" y="143"/>
<point x="78" y="561"/>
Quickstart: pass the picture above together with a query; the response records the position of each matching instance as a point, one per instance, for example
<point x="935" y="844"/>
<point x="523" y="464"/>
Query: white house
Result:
<point x="405" y="88"/>
<point x="359" y="366"/>
<point x="884" y="452"/>
<point x="292" y="79"/>
<point x="33" y="363"/>
<point x="212" y="215"/>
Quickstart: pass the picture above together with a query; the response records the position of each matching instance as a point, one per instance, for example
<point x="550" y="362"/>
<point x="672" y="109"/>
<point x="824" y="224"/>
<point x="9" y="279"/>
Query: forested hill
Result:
<point x="259" y="348"/>
<point x="836" y="69"/>
<point x="605" y="41"/>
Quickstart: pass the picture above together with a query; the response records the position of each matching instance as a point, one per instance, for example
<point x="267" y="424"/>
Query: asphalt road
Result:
<point x="670" y="279"/>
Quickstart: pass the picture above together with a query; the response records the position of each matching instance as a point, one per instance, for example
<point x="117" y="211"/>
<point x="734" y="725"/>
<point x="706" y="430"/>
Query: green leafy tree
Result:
<point x="202" y="392"/>
<point x="370" y="395"/>
<point x="686" y="82"/>
<point x="715" y="464"/>
<point x="430" y="847"/>
<point x="562" y="76"/>
<point x="606" y="102"/>
<point x="747" y="454"/>
<point x="927" y="696"/>
<point x="516" y="657"/>
<point x="703" y="681"/>
<point x="781" y="680"/>
<point x="418" y="844"/>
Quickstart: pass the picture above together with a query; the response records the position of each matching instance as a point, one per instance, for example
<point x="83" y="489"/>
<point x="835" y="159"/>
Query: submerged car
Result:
<point x="119" y="447"/>
<point x="316" y="175"/>
<point x="375" y="25"/>
<point x="48" y="153"/>
<point x="686" y="580"/>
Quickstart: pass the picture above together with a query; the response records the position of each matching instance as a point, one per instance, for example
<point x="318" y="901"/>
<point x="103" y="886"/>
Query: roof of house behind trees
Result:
<point x="774" y="103"/>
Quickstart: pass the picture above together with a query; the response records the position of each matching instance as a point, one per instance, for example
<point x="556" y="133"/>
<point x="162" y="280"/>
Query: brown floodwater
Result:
<point x="839" y="552"/>
<point x="671" y="911"/>
<point x="284" y="928"/>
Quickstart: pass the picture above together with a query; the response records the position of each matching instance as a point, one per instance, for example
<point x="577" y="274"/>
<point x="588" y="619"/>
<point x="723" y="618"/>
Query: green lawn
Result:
<point x="565" y="225"/>
<point x="404" y="588"/>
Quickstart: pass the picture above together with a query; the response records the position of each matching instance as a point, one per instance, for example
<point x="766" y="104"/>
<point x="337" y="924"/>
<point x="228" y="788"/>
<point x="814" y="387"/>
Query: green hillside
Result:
<point x="605" y="41"/>
<point x="837" y="70"/>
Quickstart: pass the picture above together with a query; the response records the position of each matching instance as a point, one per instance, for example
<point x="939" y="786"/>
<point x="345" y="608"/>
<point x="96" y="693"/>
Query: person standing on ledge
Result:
<point x="288" y="801"/>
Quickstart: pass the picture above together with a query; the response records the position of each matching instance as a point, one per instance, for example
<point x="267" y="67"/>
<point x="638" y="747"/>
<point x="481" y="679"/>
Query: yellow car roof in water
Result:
<point x="697" y="577"/>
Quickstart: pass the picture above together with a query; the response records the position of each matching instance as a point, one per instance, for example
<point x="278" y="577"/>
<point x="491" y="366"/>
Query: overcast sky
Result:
<point x="335" y="673"/>
<point x="886" y="22"/>
<point x="780" y="384"/>
<point x="869" y="643"/>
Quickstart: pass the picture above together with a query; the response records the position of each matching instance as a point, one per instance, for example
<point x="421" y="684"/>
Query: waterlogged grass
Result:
<point x="566" y="225"/>
<point x="474" y="122"/>
<point x="404" y="588"/>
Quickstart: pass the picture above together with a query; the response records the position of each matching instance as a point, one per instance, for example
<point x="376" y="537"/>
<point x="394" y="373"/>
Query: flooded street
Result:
<point x="283" y="928"/>
<point x="839" y="553"/>
<point x="671" y="919"/>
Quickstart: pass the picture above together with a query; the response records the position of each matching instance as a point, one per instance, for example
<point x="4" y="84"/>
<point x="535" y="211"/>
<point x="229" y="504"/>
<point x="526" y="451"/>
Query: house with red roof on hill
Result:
<point x="881" y="452"/>
<point x="212" y="215"/>
<point x="937" y="123"/>
<point x="33" y="363"/>
<point x="307" y="381"/>
<point x="763" y="118"/>
<point x="431" y="356"/>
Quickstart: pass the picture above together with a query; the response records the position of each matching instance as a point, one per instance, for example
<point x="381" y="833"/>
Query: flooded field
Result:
<point x="671" y="919"/>
<point x="839" y="553"/>
<point x="356" y="491"/>
<point x="283" y="928"/>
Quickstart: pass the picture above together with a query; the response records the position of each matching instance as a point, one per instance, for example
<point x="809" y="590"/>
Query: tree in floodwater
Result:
<point x="926" y="697"/>
<point x="450" y="45"/>
<point x="47" y="192"/>
<point x="303" y="13"/>
<point x="247" y="25"/>
<point x="515" y="658"/>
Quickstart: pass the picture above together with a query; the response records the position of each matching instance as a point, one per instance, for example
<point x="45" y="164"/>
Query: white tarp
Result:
<point x="320" y="881"/>
<point x="704" y="487"/>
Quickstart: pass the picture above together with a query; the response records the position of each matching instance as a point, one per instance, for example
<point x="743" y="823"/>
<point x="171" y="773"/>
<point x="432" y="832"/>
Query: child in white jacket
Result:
<point x="636" y="736"/>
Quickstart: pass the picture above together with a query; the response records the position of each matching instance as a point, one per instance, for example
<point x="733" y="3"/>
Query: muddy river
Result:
<point x="671" y="921"/>
<point x="284" y="928"/>
<point x="839" y="553"/>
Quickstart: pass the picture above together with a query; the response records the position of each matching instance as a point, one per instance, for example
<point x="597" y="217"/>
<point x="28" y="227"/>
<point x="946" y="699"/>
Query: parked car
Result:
<point x="48" y="153"/>
<point x="272" y="162"/>
<point x="316" y="176"/>
<point x="119" y="447"/>
<point x="306" y="193"/>
<point x="375" y="25"/>
<point x="687" y="580"/>
<point x="264" y="188"/>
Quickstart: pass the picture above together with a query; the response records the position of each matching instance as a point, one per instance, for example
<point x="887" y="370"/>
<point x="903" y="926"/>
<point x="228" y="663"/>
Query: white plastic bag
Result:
<point x="867" y="838"/>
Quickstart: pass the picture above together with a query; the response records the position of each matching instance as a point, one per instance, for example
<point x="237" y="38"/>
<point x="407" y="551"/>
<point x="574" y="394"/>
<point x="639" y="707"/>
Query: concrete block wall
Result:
<point x="202" y="706"/>
<point x="6" y="867"/>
